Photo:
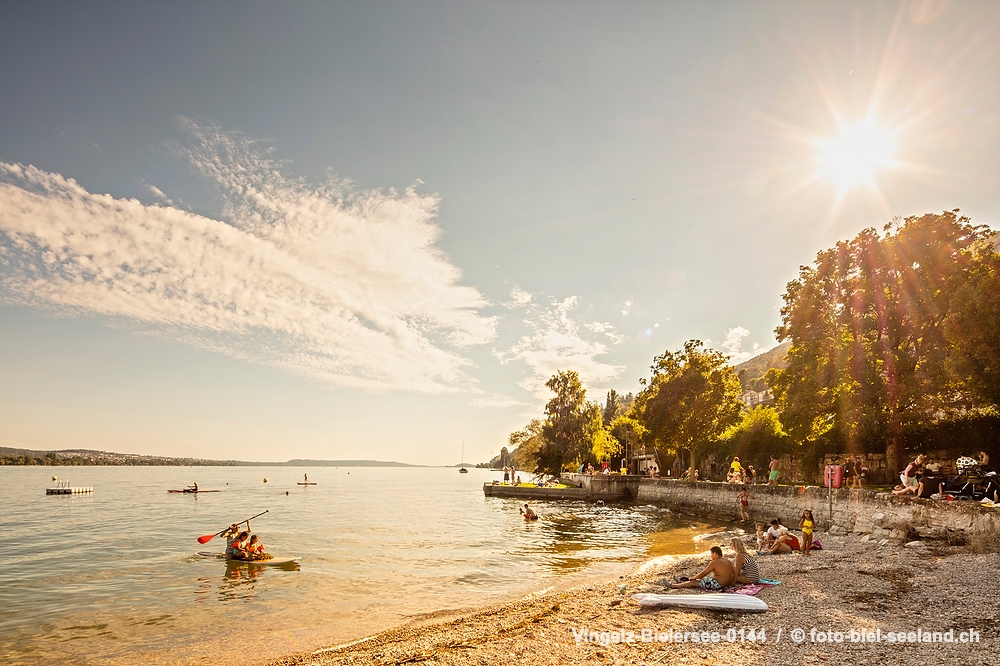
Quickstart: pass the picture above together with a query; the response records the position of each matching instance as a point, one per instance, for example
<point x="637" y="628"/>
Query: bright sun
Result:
<point x="856" y="155"/>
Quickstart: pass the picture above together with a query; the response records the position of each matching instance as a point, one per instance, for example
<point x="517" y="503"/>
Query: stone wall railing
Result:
<point x="878" y="516"/>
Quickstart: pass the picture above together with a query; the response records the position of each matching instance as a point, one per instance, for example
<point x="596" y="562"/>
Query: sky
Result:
<point x="269" y="231"/>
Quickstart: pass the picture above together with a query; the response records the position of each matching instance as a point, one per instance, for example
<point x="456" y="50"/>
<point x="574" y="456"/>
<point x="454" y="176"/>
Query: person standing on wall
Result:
<point x="773" y="474"/>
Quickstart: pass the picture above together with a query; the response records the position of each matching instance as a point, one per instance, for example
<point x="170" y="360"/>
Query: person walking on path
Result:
<point x="773" y="474"/>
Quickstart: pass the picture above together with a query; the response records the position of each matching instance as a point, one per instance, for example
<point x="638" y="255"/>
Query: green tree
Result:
<point x="612" y="407"/>
<point x="755" y="437"/>
<point x="868" y="356"/>
<point x="690" y="400"/>
<point x="567" y="433"/>
<point x="973" y="332"/>
<point x="525" y="446"/>
<point x="627" y="431"/>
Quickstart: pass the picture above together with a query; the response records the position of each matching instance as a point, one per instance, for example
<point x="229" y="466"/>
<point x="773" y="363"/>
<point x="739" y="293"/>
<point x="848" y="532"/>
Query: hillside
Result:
<point x="752" y="372"/>
<point x="13" y="456"/>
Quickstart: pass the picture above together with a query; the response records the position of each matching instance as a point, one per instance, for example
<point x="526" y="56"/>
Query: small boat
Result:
<point x="192" y="490"/>
<point x="463" y="470"/>
<point x="305" y="483"/>
<point x="274" y="561"/>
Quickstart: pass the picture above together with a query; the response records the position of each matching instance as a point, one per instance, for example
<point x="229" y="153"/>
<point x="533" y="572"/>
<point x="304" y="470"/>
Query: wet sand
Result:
<point x="848" y="586"/>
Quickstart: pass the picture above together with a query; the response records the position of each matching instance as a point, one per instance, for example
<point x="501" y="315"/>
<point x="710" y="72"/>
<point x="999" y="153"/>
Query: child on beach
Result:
<point x="761" y="540"/>
<point x="744" y="502"/>
<point x="806" y="524"/>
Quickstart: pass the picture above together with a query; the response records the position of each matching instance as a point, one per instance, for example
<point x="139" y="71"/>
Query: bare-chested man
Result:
<point x="773" y="473"/>
<point x="718" y="574"/>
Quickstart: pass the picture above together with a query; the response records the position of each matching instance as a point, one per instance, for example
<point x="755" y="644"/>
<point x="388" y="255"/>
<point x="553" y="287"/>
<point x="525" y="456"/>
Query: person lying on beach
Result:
<point x="718" y="574"/>
<point x="745" y="567"/>
<point x="785" y="543"/>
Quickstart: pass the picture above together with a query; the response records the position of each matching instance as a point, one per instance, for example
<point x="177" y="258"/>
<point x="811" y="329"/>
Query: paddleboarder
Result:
<point x="305" y="478"/>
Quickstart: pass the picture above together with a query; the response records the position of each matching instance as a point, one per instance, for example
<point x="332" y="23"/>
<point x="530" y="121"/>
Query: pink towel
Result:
<point x="749" y="589"/>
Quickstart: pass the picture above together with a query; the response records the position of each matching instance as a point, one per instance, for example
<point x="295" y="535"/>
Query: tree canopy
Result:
<point x="869" y="352"/>
<point x="690" y="400"/>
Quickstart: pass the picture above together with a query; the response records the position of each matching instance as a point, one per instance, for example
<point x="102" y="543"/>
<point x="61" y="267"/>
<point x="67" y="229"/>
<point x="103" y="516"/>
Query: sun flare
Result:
<point x="857" y="155"/>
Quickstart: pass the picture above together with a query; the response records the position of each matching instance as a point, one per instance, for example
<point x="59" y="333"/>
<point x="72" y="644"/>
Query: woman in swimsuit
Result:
<point x="745" y="566"/>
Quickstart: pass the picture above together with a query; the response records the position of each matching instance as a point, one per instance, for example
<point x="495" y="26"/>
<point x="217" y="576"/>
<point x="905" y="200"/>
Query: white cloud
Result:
<point x="343" y="286"/>
<point x="733" y="345"/>
<point x="158" y="193"/>
<point x="556" y="341"/>
<point x="626" y="306"/>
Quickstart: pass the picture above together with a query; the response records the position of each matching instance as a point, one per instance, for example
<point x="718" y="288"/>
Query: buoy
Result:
<point x="265" y="480"/>
<point x="55" y="478"/>
<point x="286" y="492"/>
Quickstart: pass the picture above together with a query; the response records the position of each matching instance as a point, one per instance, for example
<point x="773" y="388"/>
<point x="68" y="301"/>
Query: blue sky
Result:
<point x="373" y="230"/>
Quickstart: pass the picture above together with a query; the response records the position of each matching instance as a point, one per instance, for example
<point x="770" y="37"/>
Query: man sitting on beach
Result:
<point x="718" y="574"/>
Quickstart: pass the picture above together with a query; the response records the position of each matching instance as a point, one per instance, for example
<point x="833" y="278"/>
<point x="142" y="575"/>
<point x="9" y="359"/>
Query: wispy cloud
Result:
<point x="733" y="345"/>
<point x="626" y="306"/>
<point x="343" y="286"/>
<point x="558" y="341"/>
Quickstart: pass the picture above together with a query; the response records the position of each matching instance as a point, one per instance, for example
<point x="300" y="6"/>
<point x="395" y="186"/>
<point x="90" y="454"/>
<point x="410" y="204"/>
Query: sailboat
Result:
<point x="463" y="470"/>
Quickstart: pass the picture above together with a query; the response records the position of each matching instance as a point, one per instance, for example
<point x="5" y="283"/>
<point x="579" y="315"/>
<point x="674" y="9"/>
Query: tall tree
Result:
<point x="691" y="398"/>
<point x="567" y="430"/>
<point x="868" y="354"/>
<point x="612" y="407"/>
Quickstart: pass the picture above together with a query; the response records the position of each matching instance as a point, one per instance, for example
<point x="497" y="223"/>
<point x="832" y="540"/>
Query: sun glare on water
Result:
<point x="857" y="155"/>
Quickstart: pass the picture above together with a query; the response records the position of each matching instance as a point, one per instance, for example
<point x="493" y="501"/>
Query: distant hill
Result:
<point x="752" y="372"/>
<point x="63" y="457"/>
<point x="301" y="462"/>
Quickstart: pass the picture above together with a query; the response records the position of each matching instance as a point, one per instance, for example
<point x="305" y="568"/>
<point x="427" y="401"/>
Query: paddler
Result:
<point x="232" y="534"/>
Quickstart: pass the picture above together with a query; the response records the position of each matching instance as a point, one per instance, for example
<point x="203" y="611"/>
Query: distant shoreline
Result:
<point x="85" y="457"/>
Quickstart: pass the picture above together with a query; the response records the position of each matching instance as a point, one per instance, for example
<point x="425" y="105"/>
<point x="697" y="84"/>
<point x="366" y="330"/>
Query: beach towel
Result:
<point x="749" y="589"/>
<point x="767" y="582"/>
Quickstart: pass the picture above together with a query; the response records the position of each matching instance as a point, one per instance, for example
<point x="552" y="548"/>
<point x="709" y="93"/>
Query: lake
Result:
<point x="113" y="577"/>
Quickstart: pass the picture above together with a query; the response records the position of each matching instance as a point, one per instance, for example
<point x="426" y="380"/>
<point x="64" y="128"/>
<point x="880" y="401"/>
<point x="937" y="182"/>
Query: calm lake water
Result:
<point x="112" y="577"/>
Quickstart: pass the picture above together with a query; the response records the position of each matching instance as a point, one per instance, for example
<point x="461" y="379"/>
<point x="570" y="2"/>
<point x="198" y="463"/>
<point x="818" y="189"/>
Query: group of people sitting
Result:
<point x="743" y="569"/>
<point x="779" y="539"/>
<point x="721" y="573"/>
<point x="924" y="479"/>
<point x="241" y="545"/>
<point x="740" y="475"/>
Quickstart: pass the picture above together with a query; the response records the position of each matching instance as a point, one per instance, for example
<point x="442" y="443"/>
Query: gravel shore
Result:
<point x="851" y="585"/>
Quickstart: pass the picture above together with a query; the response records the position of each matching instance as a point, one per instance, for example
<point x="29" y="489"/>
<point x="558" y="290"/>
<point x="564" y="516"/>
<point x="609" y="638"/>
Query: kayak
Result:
<point x="301" y="483"/>
<point x="192" y="490"/>
<point x="260" y="563"/>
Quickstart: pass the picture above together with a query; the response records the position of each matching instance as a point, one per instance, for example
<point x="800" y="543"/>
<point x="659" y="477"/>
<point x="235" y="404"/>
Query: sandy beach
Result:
<point x="851" y="585"/>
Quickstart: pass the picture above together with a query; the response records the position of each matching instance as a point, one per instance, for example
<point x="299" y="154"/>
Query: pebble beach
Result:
<point x="850" y="586"/>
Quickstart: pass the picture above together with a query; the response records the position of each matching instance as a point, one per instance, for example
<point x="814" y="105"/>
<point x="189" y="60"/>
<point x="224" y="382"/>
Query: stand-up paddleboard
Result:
<point x="258" y="563"/>
<point x="733" y="603"/>
<point x="192" y="490"/>
<point x="303" y="483"/>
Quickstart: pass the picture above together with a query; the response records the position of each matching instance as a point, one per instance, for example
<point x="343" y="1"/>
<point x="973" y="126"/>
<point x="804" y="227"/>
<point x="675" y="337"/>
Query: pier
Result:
<point x="68" y="490"/>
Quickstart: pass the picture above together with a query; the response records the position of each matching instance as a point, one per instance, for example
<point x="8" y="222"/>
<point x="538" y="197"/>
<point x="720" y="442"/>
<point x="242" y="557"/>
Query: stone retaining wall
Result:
<point x="878" y="516"/>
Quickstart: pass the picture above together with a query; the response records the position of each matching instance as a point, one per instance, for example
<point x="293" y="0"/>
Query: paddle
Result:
<point x="209" y="537"/>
